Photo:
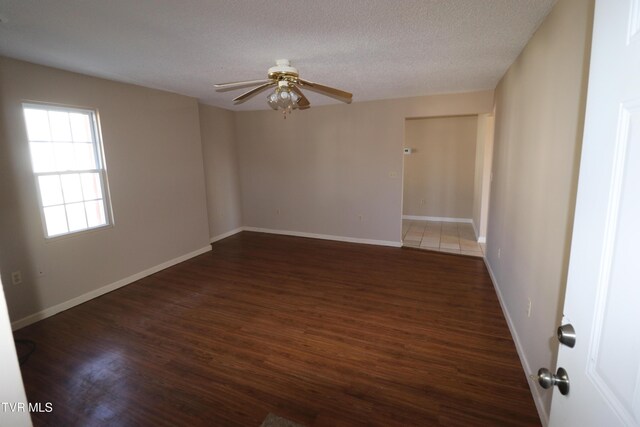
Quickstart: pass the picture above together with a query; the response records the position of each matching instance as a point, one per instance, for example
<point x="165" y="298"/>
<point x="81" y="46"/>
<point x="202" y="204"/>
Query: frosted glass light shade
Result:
<point x="283" y="98"/>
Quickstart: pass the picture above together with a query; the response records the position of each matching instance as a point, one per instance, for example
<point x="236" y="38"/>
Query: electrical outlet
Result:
<point x="16" y="277"/>
<point x="393" y="174"/>
<point x="529" y="307"/>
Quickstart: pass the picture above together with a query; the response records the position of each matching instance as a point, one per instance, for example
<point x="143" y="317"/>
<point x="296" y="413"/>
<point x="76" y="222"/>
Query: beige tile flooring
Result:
<point x="452" y="237"/>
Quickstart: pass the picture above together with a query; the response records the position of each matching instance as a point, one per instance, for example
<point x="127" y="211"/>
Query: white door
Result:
<point x="603" y="291"/>
<point x="11" y="387"/>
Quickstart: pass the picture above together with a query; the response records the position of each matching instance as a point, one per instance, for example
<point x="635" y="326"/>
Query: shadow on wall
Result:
<point x="14" y="253"/>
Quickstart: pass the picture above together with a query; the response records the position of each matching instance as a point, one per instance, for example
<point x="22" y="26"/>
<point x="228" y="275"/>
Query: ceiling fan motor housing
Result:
<point x="282" y="70"/>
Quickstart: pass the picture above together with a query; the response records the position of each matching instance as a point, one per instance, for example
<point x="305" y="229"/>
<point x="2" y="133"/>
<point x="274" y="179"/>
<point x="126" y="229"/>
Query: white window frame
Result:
<point x="100" y="169"/>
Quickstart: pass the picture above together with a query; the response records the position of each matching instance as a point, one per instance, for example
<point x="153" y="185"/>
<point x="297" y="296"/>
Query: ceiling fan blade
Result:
<point x="223" y="87"/>
<point x="303" y="102"/>
<point x="256" y="90"/>
<point x="329" y="91"/>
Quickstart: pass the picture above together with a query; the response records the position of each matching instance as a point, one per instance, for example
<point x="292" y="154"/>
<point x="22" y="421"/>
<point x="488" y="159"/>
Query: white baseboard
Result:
<point x="480" y="239"/>
<point x="48" y="312"/>
<point x="225" y="235"/>
<point x="437" y="218"/>
<point x="325" y="237"/>
<point x="535" y="390"/>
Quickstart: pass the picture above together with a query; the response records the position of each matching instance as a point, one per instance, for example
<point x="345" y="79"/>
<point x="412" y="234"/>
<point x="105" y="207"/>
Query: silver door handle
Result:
<point x="547" y="380"/>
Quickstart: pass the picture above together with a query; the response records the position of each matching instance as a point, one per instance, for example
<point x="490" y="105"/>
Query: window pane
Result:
<point x="64" y="156"/>
<point x="42" y="157"/>
<point x="80" y="127"/>
<point x="85" y="157"/>
<point x="75" y="215"/>
<point x="91" y="186"/>
<point x="60" y="129"/>
<point x="37" y="124"/>
<point x="95" y="213"/>
<point x="71" y="188"/>
<point x="56" y="220"/>
<point x="50" y="190"/>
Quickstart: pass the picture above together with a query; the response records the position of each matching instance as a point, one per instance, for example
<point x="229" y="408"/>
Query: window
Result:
<point x="66" y="155"/>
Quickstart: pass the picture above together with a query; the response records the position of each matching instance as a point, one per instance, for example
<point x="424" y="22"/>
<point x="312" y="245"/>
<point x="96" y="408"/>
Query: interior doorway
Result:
<point x="446" y="183"/>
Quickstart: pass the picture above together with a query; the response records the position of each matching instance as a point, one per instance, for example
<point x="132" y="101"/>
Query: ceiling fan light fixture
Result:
<point x="283" y="98"/>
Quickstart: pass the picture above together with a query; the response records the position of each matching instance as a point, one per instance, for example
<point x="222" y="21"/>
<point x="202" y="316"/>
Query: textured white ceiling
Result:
<point x="375" y="49"/>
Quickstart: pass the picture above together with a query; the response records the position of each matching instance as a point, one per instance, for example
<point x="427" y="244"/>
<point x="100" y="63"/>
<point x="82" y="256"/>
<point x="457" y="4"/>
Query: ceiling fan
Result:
<point x="286" y="82"/>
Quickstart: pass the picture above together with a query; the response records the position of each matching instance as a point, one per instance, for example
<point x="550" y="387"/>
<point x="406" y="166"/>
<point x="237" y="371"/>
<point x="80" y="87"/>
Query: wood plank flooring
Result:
<point x="322" y="333"/>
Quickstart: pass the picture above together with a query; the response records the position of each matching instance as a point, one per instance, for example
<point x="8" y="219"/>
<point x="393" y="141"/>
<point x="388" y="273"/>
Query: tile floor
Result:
<point x="452" y="237"/>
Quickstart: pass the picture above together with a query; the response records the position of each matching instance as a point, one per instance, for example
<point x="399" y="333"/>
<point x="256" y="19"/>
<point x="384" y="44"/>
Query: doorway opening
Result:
<point x="446" y="183"/>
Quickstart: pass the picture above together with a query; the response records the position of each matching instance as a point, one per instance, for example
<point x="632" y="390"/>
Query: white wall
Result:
<point x="540" y="106"/>
<point x="439" y="173"/>
<point x="334" y="170"/>
<point x="11" y="387"/>
<point x="219" y="153"/>
<point x="154" y="163"/>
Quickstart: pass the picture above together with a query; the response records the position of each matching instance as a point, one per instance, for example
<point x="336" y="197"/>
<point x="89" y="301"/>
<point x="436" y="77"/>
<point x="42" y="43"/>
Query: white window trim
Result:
<point x="99" y="159"/>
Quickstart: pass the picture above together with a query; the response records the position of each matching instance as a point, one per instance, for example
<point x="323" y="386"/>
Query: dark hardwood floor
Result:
<point x="323" y="333"/>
